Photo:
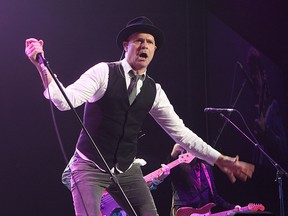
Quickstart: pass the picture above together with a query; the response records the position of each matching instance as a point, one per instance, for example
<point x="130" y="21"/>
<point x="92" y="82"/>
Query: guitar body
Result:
<point x="203" y="211"/>
<point x="206" y="210"/>
<point x="109" y="207"/>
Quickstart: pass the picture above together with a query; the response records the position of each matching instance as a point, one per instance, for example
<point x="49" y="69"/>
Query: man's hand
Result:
<point x="165" y="172"/>
<point x="234" y="168"/>
<point x="32" y="48"/>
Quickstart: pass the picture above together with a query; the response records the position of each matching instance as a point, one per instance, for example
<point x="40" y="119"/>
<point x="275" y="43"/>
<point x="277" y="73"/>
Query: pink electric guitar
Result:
<point x="206" y="210"/>
<point x="110" y="206"/>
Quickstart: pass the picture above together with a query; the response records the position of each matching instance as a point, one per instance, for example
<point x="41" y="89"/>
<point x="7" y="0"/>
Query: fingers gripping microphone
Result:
<point x="42" y="62"/>
<point x="218" y="110"/>
<point x="40" y="59"/>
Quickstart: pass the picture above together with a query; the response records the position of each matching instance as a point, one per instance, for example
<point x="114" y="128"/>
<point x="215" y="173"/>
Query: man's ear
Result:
<point x="125" y="45"/>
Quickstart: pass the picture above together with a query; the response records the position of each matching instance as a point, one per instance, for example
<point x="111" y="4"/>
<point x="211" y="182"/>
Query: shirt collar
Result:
<point x="127" y="68"/>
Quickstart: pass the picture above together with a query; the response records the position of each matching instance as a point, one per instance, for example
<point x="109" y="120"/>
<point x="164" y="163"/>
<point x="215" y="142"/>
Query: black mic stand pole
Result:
<point x="43" y="61"/>
<point x="279" y="170"/>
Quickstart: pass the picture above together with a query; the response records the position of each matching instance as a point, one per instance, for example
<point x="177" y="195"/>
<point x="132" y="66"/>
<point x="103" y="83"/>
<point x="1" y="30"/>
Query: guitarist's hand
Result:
<point x="162" y="173"/>
<point x="165" y="172"/>
<point x="234" y="168"/>
<point x="237" y="208"/>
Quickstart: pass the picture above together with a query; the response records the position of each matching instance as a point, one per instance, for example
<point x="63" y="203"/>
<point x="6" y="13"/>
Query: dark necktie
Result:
<point x="198" y="175"/>
<point x="132" y="89"/>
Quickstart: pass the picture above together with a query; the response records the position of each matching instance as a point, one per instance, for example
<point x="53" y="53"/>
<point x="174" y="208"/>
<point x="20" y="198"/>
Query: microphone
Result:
<point x="245" y="74"/>
<point x="43" y="63"/>
<point x="40" y="59"/>
<point x="218" y="110"/>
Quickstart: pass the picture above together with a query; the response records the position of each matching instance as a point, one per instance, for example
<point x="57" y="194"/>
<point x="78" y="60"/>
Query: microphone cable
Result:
<point x="232" y="104"/>
<point x="43" y="62"/>
<point x="64" y="154"/>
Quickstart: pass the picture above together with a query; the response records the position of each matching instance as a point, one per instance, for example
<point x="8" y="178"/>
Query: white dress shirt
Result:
<point x="91" y="86"/>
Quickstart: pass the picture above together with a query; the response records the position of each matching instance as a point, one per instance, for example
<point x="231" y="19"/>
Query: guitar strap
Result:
<point x="208" y="178"/>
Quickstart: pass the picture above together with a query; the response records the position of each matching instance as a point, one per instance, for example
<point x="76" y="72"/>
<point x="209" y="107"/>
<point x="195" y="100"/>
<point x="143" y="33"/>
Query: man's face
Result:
<point x="139" y="50"/>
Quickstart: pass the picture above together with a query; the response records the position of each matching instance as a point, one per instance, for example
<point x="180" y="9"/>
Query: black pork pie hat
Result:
<point x="140" y="24"/>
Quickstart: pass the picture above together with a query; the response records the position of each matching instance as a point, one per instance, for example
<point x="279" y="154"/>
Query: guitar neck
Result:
<point x="225" y="213"/>
<point x="157" y="172"/>
<point x="108" y="202"/>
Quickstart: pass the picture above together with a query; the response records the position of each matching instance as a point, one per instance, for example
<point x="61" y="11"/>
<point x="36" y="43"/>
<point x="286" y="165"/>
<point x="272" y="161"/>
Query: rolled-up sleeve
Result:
<point x="165" y="115"/>
<point x="91" y="86"/>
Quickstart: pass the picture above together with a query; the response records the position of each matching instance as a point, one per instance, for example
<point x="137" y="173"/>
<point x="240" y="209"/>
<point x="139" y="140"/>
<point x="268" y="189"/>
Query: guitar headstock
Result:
<point x="186" y="158"/>
<point x="256" y="207"/>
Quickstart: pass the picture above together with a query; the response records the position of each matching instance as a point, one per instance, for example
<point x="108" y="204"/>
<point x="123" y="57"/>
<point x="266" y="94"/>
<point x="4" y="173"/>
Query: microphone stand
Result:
<point x="44" y="62"/>
<point x="233" y="105"/>
<point x="279" y="170"/>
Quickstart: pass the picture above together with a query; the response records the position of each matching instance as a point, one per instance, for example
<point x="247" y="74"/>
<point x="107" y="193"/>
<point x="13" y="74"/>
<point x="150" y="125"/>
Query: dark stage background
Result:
<point x="196" y="67"/>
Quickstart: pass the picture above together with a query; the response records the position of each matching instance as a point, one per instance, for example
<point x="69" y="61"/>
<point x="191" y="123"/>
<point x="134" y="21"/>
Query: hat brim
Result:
<point x="126" y="32"/>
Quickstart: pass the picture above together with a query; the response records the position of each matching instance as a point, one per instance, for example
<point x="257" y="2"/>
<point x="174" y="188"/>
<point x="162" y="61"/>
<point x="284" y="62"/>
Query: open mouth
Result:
<point x="143" y="55"/>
